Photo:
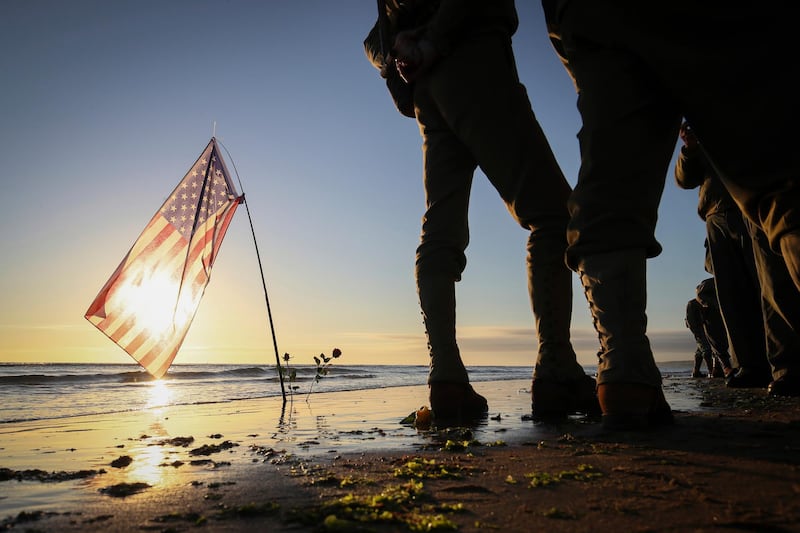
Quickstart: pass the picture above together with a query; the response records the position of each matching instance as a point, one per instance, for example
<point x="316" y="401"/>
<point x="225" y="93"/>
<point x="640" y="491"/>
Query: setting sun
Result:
<point x="152" y="301"/>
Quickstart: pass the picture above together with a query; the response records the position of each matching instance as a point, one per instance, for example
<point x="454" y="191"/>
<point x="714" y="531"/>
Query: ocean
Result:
<point x="59" y="390"/>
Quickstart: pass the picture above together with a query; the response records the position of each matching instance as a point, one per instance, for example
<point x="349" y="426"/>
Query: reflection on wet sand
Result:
<point x="197" y="445"/>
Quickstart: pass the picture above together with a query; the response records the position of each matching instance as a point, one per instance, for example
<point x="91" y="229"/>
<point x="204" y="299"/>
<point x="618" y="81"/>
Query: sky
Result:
<point x="106" y="105"/>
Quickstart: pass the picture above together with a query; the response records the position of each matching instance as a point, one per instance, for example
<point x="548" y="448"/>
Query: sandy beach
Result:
<point x="344" y="462"/>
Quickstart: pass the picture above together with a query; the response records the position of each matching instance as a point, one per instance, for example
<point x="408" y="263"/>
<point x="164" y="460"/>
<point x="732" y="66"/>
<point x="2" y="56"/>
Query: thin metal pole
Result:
<point x="263" y="281"/>
<point x="266" y="299"/>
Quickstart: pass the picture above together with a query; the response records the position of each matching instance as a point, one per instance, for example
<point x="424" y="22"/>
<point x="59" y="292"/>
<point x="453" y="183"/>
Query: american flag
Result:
<point x="148" y="304"/>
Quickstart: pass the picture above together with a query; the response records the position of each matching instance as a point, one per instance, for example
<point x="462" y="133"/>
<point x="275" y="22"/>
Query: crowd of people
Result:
<point x="716" y="75"/>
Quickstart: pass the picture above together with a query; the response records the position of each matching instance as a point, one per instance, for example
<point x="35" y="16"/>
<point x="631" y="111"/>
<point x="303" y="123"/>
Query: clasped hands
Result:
<point x="411" y="54"/>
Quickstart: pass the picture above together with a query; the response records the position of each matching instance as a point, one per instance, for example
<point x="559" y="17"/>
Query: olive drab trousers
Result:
<point x="728" y="75"/>
<point x="780" y="304"/>
<point x="473" y="112"/>
<point x="738" y="293"/>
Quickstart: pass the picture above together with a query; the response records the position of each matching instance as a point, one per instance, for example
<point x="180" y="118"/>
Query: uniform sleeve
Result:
<point x="690" y="168"/>
<point x="372" y="47"/>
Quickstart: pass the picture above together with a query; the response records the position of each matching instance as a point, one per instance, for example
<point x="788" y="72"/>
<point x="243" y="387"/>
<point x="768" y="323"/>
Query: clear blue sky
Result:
<point x="105" y="105"/>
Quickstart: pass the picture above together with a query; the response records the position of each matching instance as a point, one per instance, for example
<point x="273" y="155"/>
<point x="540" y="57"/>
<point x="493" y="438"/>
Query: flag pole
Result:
<point x="261" y="269"/>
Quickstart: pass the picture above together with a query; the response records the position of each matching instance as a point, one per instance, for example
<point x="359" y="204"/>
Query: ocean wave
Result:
<point x="243" y="372"/>
<point x="35" y="392"/>
<point x="134" y="377"/>
<point x="47" y="379"/>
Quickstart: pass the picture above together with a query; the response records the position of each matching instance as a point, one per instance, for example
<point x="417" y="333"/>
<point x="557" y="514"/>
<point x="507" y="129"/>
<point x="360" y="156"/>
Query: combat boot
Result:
<point x="560" y="386"/>
<point x="629" y="382"/>
<point x="451" y="395"/>
<point x="708" y="357"/>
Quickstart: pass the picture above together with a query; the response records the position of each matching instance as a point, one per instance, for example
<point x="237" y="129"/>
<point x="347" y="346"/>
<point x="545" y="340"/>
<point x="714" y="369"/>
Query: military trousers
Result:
<point x="738" y="292"/>
<point x="474" y="113"/>
<point x="780" y="303"/>
<point x="639" y="68"/>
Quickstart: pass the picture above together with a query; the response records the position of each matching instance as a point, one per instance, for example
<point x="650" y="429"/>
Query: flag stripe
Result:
<point x="170" y="241"/>
<point x="158" y="229"/>
<point x="155" y="357"/>
<point x="150" y="300"/>
<point x="174" y="269"/>
<point x="195" y="287"/>
<point x="146" y="347"/>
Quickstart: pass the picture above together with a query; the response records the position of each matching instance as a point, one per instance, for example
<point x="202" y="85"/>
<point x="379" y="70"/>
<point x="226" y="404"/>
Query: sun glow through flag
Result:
<point x="149" y="302"/>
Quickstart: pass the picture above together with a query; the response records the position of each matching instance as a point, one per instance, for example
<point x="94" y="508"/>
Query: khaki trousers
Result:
<point x="473" y="113"/>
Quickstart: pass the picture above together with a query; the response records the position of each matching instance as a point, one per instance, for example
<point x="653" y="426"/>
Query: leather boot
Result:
<point x="437" y="300"/>
<point x="451" y="395"/>
<point x="456" y="403"/>
<point x="629" y="382"/>
<point x="560" y="387"/>
<point x="629" y="406"/>
<point x="698" y="363"/>
<point x="786" y="385"/>
<point x="553" y="401"/>
<point x="717" y="370"/>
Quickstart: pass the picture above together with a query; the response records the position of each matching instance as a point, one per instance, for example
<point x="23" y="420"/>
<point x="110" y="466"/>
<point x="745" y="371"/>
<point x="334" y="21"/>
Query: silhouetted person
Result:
<point x="473" y="112"/>
<point x="714" y="328"/>
<point x="702" y="353"/>
<point x="733" y="264"/>
<point x="639" y="67"/>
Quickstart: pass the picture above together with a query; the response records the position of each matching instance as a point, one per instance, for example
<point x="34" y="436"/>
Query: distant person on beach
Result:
<point x="714" y="328"/>
<point x="639" y="67"/>
<point x="730" y="250"/>
<point x="702" y="353"/>
<point x="456" y="58"/>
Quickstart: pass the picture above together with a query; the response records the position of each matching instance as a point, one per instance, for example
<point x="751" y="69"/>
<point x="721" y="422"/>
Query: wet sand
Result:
<point x="342" y="461"/>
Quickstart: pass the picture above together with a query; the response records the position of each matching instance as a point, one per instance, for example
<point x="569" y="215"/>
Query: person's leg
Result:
<point x="699" y="360"/>
<point x="708" y="357"/>
<point x="448" y="170"/>
<point x="512" y="150"/>
<point x="514" y="153"/>
<point x="629" y="382"/>
<point x="713" y="325"/>
<point x="444" y="237"/>
<point x="560" y="385"/>
<point x="781" y="306"/>
<point x="790" y="250"/>
<point x="627" y="140"/>
<point x="694" y="321"/>
<point x="611" y="235"/>
<point x="739" y="297"/>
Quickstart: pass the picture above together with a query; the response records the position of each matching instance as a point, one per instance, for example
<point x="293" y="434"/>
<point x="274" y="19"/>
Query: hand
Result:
<point x="387" y="64"/>
<point x="405" y="44"/>
<point x="413" y="55"/>
<point x="688" y="137"/>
